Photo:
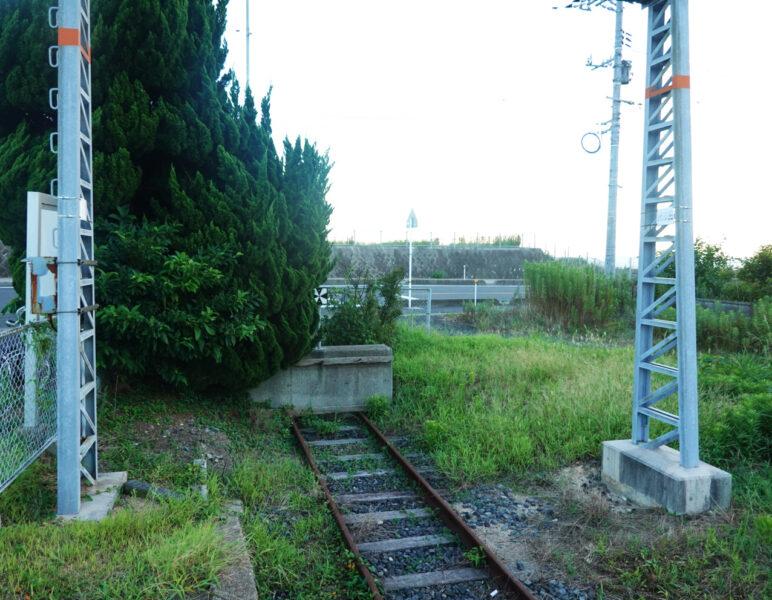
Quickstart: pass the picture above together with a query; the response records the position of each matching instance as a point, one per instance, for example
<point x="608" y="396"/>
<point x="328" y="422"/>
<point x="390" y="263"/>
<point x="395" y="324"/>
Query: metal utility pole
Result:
<point x="666" y="239"/>
<point x="76" y="348"/>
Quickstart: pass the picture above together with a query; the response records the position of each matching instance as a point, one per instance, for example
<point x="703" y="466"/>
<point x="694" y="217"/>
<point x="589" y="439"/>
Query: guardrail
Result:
<point x="27" y="397"/>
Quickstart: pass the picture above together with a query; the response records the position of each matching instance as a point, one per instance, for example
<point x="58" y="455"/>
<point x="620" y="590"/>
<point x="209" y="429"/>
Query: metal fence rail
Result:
<point x="27" y="397"/>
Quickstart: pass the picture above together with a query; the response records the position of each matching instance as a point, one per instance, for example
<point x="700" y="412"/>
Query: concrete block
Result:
<point x="103" y="496"/>
<point x="331" y="379"/>
<point x="237" y="581"/>
<point x="654" y="477"/>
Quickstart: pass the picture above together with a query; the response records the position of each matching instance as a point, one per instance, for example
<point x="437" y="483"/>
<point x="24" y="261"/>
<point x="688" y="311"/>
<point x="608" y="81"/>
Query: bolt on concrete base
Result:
<point x="654" y="477"/>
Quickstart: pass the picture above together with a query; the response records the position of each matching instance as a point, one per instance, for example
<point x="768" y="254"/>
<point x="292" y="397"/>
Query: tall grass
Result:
<point x="489" y="406"/>
<point x="576" y="295"/>
<point x="733" y="331"/>
<point x="294" y="542"/>
<point x="163" y="552"/>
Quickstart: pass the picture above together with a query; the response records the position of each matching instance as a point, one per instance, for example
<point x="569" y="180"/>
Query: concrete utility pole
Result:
<point x="613" y="185"/>
<point x="621" y="77"/>
<point x="248" y="34"/>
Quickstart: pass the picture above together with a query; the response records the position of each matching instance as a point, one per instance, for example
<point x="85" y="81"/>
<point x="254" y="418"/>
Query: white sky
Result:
<point x="471" y="113"/>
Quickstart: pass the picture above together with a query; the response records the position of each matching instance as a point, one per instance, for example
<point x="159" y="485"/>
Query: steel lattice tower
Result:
<point x="666" y="350"/>
<point x="76" y="343"/>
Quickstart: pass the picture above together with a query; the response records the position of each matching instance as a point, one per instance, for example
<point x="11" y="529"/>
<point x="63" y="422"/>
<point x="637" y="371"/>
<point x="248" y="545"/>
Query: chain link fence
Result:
<point x="27" y="397"/>
<point x="417" y="306"/>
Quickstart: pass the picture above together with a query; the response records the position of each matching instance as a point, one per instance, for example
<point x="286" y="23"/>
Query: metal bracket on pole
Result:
<point x="76" y="350"/>
<point x="666" y="350"/>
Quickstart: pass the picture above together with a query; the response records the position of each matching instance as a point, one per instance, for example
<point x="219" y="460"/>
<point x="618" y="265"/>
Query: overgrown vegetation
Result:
<point x="366" y="312"/>
<point x="209" y="244"/>
<point x="716" y="278"/>
<point x="736" y="428"/>
<point x="295" y="544"/>
<point x="577" y="295"/>
<point x="490" y="407"/>
<point x="577" y="302"/>
<point x="171" y="549"/>
<point x="733" y="331"/>
<point x="167" y="550"/>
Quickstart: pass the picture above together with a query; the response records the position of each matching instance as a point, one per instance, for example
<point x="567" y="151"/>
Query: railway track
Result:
<point x="408" y="543"/>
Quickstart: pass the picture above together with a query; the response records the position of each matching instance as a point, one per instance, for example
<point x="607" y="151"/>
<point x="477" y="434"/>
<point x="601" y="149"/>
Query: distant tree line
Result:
<point x="209" y="243"/>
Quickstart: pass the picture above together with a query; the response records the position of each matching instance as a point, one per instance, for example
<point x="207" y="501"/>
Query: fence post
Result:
<point x="30" y="381"/>
<point x="429" y="309"/>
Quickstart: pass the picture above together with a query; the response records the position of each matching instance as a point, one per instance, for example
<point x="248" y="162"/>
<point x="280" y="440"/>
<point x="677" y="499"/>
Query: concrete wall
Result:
<point x="481" y="263"/>
<point x="331" y="379"/>
<point x="745" y="308"/>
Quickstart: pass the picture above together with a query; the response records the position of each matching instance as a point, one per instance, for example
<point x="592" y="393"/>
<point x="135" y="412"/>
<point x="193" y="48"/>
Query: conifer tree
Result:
<point x="210" y="245"/>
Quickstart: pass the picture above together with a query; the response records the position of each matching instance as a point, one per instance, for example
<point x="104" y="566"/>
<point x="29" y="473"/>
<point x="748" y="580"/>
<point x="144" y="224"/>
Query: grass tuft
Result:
<point x="164" y="551"/>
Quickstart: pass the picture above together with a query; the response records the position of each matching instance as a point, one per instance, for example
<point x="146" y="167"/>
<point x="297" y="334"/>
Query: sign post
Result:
<point x="412" y="223"/>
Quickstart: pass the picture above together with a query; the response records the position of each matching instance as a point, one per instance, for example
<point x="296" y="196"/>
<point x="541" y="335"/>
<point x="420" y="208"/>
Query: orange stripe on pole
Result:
<point x="71" y="37"/>
<point x="679" y="82"/>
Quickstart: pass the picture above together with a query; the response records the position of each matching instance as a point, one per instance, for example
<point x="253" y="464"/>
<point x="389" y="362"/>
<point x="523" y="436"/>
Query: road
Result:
<point x="7" y="294"/>
<point x="502" y="293"/>
<point x="453" y="295"/>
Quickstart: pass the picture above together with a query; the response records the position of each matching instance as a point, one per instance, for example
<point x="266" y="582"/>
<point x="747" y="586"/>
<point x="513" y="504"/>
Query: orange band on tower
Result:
<point x="679" y="82"/>
<point x="71" y="37"/>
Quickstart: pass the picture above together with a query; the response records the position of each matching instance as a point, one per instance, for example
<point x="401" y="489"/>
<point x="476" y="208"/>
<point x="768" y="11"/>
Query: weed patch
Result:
<point x="489" y="406"/>
<point x="296" y="547"/>
<point x="161" y="552"/>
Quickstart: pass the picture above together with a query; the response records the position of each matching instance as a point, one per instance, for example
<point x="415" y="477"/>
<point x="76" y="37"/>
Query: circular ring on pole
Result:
<point x="589" y="146"/>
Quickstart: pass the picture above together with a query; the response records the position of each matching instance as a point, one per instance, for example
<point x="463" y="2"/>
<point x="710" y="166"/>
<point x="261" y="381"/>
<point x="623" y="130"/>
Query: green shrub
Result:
<point x="576" y="295"/>
<point x="733" y="331"/>
<point x="377" y="406"/>
<point x="438" y="274"/>
<point x="210" y="244"/>
<point x="365" y="313"/>
<point x="742" y="425"/>
<point x="756" y="273"/>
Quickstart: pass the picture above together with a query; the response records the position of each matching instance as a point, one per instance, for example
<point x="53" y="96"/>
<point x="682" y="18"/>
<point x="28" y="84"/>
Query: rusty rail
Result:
<point x="501" y="575"/>
<point x="349" y="539"/>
